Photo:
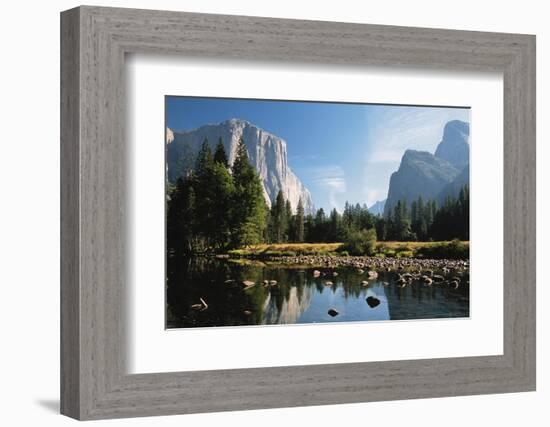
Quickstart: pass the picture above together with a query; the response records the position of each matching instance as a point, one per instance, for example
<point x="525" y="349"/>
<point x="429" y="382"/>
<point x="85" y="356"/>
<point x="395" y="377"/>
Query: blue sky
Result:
<point x="339" y="151"/>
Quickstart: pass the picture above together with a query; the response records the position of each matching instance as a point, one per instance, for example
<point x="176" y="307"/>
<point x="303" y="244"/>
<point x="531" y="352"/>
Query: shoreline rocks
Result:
<point x="371" y="265"/>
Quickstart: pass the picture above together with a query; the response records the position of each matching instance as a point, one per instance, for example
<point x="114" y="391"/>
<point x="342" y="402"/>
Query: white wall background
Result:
<point x="29" y="230"/>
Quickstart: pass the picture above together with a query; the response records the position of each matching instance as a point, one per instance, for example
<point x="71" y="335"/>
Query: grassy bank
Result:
<point x="287" y="249"/>
<point x="451" y="250"/>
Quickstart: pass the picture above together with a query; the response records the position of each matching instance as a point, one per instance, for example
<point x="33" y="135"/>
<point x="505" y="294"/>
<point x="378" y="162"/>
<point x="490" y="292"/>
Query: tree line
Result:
<point x="426" y="220"/>
<point x="418" y="221"/>
<point x="218" y="207"/>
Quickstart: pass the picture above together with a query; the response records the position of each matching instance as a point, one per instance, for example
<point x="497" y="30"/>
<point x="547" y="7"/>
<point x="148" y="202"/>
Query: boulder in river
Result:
<point x="373" y="301"/>
<point x="372" y="274"/>
<point x="332" y="312"/>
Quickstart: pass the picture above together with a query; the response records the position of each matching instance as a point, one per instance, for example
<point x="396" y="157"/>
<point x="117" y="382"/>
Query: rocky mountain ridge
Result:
<point x="433" y="176"/>
<point x="267" y="153"/>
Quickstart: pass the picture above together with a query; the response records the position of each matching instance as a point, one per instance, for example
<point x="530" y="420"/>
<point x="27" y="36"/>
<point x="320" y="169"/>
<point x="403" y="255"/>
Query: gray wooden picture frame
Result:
<point x="94" y="41"/>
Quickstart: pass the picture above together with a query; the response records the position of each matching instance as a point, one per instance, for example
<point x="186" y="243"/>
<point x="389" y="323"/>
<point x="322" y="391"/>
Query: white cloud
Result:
<point x="374" y="195"/>
<point x="331" y="178"/>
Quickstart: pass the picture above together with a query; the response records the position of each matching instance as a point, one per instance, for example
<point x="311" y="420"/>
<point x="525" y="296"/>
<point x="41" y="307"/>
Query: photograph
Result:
<point x="301" y="212"/>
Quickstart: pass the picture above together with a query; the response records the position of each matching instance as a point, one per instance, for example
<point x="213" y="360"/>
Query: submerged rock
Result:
<point x="332" y="312"/>
<point x="373" y="301"/>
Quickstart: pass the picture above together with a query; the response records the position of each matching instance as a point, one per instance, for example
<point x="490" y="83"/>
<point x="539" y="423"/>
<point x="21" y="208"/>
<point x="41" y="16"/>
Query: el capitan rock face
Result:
<point x="433" y="176"/>
<point x="267" y="153"/>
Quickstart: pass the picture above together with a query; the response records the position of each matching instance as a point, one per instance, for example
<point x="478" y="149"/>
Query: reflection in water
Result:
<point x="298" y="301"/>
<point x="297" y="296"/>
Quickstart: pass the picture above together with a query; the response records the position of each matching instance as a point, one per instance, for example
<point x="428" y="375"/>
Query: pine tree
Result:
<point x="180" y="216"/>
<point x="204" y="158"/>
<point x="249" y="219"/>
<point x="288" y="231"/>
<point x="334" y="226"/>
<point x="278" y="218"/>
<point x="219" y="189"/>
<point x="401" y="222"/>
<point x="347" y="216"/>
<point x="219" y="154"/>
<point x="204" y="224"/>
<point x="299" y="222"/>
<point x="319" y="229"/>
<point x="241" y="166"/>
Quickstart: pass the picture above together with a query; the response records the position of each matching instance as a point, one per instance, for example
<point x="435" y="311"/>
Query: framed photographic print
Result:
<point x="344" y="212"/>
<point x="251" y="240"/>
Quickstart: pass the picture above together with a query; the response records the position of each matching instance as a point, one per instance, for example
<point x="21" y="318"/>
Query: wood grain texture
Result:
<point x="94" y="232"/>
<point x="70" y="315"/>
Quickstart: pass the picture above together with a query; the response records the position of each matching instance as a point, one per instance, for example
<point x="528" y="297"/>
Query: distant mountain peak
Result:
<point x="455" y="144"/>
<point x="235" y="120"/>
<point x="428" y="175"/>
<point x="456" y="126"/>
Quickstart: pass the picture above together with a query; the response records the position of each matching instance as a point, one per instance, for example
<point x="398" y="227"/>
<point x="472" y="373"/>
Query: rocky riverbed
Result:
<point x="370" y="263"/>
<point x="405" y="270"/>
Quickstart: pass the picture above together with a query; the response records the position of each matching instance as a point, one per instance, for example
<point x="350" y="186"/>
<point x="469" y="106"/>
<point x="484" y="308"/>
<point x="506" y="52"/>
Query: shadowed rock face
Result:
<point x="420" y="174"/>
<point x="266" y="151"/>
<point x="433" y="176"/>
<point x="453" y="188"/>
<point x="454" y="146"/>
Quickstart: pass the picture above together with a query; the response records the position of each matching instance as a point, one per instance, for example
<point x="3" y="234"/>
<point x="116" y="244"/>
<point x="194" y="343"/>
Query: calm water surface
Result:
<point x="298" y="297"/>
